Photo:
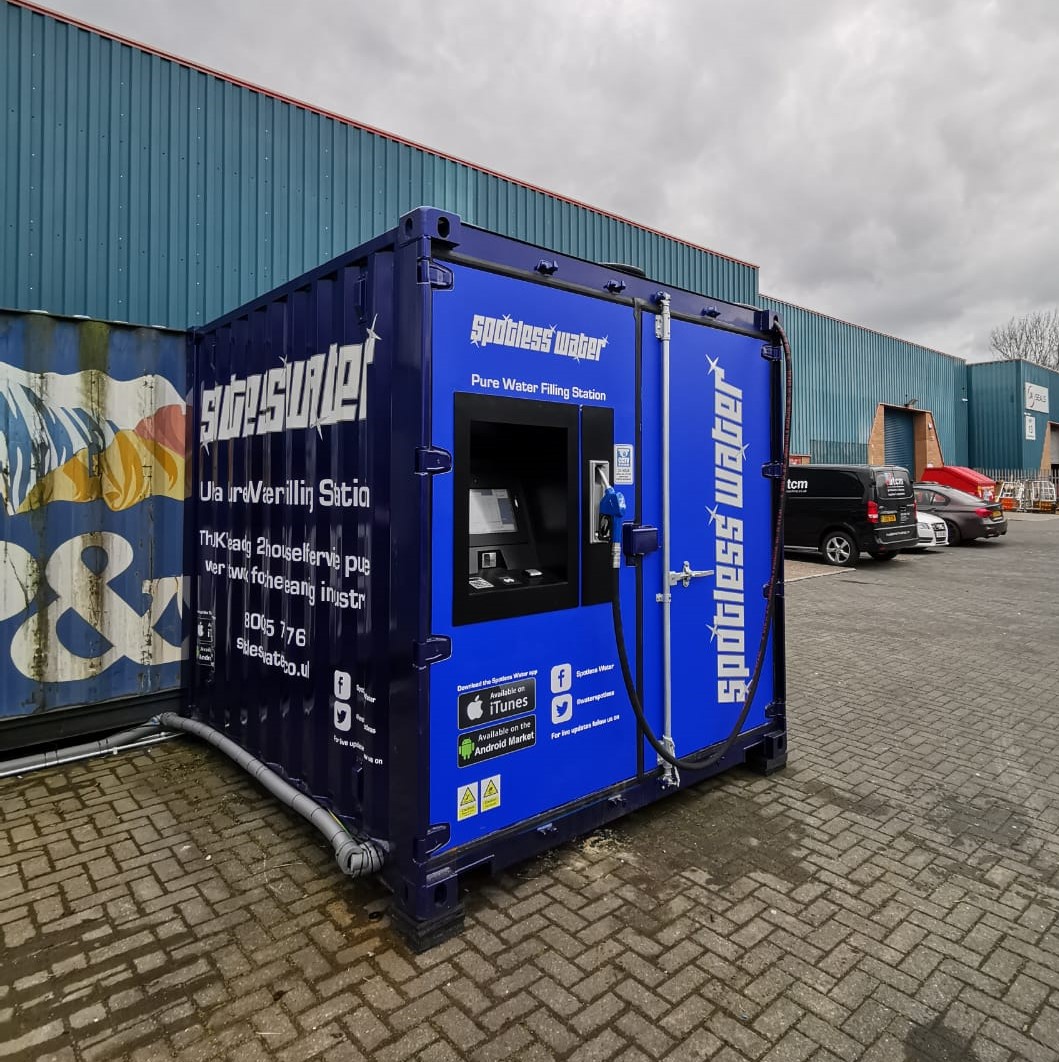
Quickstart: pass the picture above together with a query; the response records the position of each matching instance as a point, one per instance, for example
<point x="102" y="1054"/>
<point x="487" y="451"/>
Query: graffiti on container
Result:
<point x="82" y="436"/>
<point x="89" y="581"/>
<point x="81" y="590"/>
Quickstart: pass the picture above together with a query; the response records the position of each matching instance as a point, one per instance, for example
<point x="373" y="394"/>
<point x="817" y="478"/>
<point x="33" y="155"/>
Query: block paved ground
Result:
<point x="891" y="896"/>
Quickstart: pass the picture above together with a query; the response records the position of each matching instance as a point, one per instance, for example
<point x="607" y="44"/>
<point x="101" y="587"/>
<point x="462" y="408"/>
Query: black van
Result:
<point x="844" y="510"/>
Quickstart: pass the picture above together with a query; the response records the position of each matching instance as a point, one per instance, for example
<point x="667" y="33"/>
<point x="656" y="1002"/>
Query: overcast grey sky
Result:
<point x="891" y="162"/>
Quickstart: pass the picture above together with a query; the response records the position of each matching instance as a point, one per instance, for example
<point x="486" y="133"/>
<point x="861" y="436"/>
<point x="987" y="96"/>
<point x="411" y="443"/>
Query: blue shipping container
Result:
<point x="92" y="447"/>
<point x="402" y="572"/>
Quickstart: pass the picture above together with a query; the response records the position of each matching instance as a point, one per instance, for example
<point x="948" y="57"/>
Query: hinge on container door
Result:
<point x="772" y="470"/>
<point x="436" y="647"/>
<point x="771" y="353"/>
<point x="779" y="589"/>
<point x="437" y="276"/>
<point x="430" y="461"/>
<point x="776" y="710"/>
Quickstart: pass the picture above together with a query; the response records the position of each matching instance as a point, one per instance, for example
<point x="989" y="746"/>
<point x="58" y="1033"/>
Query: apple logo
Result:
<point x="474" y="709"/>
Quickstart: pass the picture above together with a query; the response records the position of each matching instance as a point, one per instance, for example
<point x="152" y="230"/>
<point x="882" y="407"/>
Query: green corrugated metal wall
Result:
<point x="843" y="371"/>
<point x="137" y="189"/>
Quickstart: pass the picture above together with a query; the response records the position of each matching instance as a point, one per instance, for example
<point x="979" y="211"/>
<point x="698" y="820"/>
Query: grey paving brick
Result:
<point x="890" y="896"/>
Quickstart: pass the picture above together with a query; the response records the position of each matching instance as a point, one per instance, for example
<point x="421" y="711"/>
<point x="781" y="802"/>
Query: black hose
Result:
<point x="701" y="761"/>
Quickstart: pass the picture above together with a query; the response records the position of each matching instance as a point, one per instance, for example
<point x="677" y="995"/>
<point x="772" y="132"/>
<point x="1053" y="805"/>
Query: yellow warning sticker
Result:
<point x="466" y="801"/>
<point x="491" y="793"/>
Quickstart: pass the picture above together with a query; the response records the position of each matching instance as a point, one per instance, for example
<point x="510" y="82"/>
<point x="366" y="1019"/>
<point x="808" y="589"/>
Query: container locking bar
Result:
<point x="662" y="333"/>
<point x="686" y="574"/>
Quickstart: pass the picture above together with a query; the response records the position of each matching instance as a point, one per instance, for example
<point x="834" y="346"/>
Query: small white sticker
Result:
<point x="467" y="801"/>
<point x="491" y="792"/>
<point x="623" y="464"/>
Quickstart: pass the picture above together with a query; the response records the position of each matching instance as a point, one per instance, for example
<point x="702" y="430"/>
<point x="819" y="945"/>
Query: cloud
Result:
<point x="889" y="162"/>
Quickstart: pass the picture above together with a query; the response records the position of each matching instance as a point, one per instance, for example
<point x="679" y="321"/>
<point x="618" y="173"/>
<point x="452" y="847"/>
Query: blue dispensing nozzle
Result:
<point x="611" y="515"/>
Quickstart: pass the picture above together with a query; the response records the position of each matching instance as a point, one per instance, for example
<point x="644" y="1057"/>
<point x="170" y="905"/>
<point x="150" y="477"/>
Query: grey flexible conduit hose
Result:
<point x="356" y="856"/>
<point x="34" y="761"/>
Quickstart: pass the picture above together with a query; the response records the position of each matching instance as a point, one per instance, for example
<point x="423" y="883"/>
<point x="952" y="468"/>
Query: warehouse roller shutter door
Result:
<point x="900" y="438"/>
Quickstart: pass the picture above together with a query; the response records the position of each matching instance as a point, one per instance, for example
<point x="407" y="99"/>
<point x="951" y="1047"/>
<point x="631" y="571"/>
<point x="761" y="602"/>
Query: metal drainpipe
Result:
<point x="670" y="776"/>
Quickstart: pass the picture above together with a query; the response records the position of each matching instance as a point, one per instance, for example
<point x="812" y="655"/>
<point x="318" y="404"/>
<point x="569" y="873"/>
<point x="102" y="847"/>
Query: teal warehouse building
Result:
<point x="142" y="195"/>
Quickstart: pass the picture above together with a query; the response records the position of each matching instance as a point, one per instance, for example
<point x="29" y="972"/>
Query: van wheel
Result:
<point x="882" y="555"/>
<point x="839" y="549"/>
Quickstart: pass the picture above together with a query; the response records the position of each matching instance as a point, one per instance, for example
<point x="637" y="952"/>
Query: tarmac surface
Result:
<point x="891" y="896"/>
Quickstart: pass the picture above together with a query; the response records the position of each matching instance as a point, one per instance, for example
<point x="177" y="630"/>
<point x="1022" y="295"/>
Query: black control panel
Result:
<point x="517" y="507"/>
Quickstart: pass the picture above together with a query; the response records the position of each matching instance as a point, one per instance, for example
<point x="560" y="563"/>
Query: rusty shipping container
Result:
<point x="92" y="490"/>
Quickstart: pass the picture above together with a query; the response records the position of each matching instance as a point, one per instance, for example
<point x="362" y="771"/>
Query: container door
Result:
<point x="720" y="529"/>
<point x="528" y="712"/>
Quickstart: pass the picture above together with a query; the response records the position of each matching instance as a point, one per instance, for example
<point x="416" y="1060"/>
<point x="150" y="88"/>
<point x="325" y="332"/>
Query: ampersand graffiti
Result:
<point x="38" y="649"/>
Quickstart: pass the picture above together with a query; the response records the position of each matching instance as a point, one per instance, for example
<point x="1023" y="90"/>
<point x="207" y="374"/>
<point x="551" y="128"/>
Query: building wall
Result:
<point x="998" y="415"/>
<point x="141" y="189"/>
<point x="845" y="373"/>
<point x="994" y="430"/>
<point x="1037" y="451"/>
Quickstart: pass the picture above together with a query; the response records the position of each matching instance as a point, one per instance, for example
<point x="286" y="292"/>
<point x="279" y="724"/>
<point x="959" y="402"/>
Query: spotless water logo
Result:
<point x="728" y="629"/>
<point x="508" y="332"/>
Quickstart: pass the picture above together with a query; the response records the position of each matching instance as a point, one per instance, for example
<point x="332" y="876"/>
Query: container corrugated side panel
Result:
<point x="843" y="371"/>
<point x="271" y="708"/>
<point x="142" y="190"/>
<point x="92" y="481"/>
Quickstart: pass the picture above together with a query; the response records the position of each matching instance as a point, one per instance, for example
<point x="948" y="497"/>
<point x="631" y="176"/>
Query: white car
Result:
<point x="933" y="531"/>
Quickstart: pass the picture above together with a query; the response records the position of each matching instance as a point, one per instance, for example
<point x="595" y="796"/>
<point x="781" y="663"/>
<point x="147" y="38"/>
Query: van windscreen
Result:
<point x="893" y="483"/>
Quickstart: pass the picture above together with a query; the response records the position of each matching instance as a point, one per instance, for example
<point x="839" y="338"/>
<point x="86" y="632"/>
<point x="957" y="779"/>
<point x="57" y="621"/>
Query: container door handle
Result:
<point x="686" y="574"/>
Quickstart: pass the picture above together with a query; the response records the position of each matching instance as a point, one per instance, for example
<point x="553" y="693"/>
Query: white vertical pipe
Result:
<point x="663" y="330"/>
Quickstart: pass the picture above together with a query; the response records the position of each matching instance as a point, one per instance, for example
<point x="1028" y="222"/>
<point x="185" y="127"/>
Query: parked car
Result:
<point x="844" y="510"/>
<point x="967" y="517"/>
<point x="933" y="531"/>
